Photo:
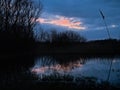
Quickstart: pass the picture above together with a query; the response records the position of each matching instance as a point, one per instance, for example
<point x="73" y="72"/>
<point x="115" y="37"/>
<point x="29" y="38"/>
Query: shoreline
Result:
<point x="92" y="48"/>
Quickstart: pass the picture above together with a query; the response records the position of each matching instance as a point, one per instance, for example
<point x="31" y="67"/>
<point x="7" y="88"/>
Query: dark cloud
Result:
<point x="86" y="9"/>
<point x="80" y="8"/>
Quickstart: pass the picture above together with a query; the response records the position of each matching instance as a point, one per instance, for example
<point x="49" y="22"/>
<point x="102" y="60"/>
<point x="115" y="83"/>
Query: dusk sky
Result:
<point x="82" y="16"/>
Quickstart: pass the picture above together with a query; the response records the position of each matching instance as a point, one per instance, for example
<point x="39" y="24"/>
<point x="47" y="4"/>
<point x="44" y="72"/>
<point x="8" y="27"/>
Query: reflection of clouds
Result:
<point x="95" y="67"/>
<point x="57" y="67"/>
<point x="62" y="21"/>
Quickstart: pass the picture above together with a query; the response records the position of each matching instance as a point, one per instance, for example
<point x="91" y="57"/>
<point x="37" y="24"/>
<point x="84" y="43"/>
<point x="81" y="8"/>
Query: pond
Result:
<point x="100" y="68"/>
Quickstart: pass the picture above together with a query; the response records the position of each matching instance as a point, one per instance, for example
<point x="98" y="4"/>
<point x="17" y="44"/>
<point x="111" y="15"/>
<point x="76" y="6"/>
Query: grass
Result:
<point x="27" y="81"/>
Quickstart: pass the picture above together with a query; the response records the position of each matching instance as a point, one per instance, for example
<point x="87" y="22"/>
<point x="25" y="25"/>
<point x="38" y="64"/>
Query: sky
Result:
<point x="82" y="16"/>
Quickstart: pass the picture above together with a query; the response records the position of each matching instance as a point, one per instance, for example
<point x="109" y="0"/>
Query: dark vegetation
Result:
<point x="17" y="21"/>
<point x="72" y="42"/>
<point x="60" y="37"/>
<point x="93" y="48"/>
<point x="19" y="47"/>
<point x="53" y="82"/>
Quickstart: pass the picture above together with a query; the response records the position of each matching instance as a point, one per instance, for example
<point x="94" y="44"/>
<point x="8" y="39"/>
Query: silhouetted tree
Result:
<point x="53" y="36"/>
<point x="17" y="20"/>
<point x="44" y="36"/>
<point x="67" y="37"/>
<point x="60" y="37"/>
<point x="75" y="37"/>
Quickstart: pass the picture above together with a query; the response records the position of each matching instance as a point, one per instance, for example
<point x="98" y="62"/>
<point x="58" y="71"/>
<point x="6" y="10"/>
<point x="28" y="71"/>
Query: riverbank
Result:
<point x="103" y="47"/>
<point x="15" y="66"/>
<point x="91" y="48"/>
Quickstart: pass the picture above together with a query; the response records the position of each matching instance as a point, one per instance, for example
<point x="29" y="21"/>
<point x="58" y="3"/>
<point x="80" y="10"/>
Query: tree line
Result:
<point x="17" y="22"/>
<point x="60" y="37"/>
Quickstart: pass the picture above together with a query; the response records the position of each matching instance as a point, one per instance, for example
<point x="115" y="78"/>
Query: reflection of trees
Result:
<point x="64" y="59"/>
<point x="68" y="63"/>
<point x="52" y="66"/>
<point x="45" y="61"/>
<point x="67" y="59"/>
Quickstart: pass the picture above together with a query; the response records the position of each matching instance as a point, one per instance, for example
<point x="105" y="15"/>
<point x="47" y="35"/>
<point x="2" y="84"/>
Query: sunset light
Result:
<point x="60" y="44"/>
<point x="64" y="22"/>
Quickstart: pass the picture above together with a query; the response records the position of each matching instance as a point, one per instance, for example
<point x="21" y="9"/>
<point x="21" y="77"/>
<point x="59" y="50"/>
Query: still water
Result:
<point x="104" y="69"/>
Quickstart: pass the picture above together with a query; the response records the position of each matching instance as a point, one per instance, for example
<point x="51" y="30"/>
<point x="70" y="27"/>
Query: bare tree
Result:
<point x="18" y="16"/>
<point x="68" y="36"/>
<point x="60" y="37"/>
<point x="44" y="36"/>
<point x="75" y="37"/>
<point x="54" y="36"/>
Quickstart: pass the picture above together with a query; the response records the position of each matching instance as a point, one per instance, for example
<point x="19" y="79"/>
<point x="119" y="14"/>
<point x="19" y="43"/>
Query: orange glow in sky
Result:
<point x="63" y="21"/>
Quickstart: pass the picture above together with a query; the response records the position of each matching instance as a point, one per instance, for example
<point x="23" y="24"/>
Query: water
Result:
<point x="103" y="69"/>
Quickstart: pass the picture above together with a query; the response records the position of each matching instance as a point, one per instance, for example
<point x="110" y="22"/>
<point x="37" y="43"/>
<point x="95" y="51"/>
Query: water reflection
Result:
<point x="100" y="68"/>
<point x="47" y="65"/>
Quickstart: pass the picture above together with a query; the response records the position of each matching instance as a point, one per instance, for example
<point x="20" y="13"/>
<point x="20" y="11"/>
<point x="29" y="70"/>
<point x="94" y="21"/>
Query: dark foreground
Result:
<point x="103" y="47"/>
<point x="29" y="83"/>
<point x="15" y="74"/>
<point x="14" y="66"/>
